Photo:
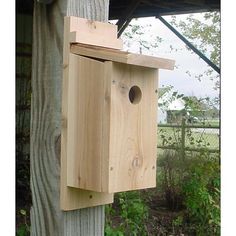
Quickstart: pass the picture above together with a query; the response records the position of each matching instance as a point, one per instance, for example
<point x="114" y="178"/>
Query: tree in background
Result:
<point x="139" y="38"/>
<point x="203" y="30"/>
<point x="205" y="36"/>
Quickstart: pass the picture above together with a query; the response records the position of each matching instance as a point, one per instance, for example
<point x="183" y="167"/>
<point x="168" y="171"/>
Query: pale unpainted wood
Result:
<point x="106" y="125"/>
<point x="97" y="40"/>
<point x="93" y="33"/>
<point x="85" y="116"/>
<point x="46" y="215"/>
<point x="82" y="134"/>
<point x="122" y="56"/>
<point x="133" y="129"/>
<point x="85" y="137"/>
<point x="81" y="137"/>
<point x="96" y="28"/>
<point x="111" y="141"/>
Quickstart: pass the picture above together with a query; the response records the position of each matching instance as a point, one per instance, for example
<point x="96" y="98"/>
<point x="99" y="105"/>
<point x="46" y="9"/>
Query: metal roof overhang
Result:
<point x="142" y="8"/>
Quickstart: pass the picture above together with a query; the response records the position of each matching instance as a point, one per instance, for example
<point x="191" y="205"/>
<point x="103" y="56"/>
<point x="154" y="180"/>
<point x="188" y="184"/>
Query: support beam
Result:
<point x="47" y="219"/>
<point x="126" y="17"/>
<point x="200" y="54"/>
<point x="124" y="27"/>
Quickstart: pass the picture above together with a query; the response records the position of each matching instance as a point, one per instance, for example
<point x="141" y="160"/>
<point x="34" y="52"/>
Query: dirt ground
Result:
<point x="159" y="223"/>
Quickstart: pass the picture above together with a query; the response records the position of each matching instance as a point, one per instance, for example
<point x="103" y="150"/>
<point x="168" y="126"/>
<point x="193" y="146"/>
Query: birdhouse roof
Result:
<point x="109" y="54"/>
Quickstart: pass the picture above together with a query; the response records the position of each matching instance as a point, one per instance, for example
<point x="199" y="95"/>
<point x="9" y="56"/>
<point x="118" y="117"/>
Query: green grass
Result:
<point x="195" y="138"/>
<point x="211" y="141"/>
<point x="213" y="122"/>
<point x="209" y="122"/>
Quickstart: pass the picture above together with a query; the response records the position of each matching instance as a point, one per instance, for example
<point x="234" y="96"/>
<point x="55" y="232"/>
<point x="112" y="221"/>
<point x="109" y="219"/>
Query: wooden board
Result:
<point x="111" y="141"/>
<point x="133" y="130"/>
<point x="123" y="57"/>
<point x="86" y="124"/>
<point x="93" y="33"/>
<point x="72" y="198"/>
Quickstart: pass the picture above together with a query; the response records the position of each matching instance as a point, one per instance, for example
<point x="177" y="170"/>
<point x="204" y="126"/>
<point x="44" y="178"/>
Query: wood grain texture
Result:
<point x="82" y="134"/>
<point x="81" y="99"/>
<point x="111" y="139"/>
<point x="123" y="57"/>
<point x="87" y="112"/>
<point x="85" y="117"/>
<point x="93" y="33"/>
<point x="46" y="216"/>
<point x="133" y="129"/>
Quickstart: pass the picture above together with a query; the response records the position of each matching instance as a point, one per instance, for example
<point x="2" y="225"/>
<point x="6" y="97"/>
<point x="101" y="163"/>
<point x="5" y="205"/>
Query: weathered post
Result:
<point x="46" y="217"/>
<point x="183" y="130"/>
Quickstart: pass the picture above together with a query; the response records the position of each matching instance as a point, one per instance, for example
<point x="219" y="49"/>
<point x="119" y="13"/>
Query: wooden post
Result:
<point x="183" y="137"/>
<point x="46" y="217"/>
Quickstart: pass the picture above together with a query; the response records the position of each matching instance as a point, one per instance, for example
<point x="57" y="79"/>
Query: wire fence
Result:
<point x="189" y="137"/>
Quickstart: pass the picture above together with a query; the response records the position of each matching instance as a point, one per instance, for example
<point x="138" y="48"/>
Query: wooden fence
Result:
<point x="189" y="137"/>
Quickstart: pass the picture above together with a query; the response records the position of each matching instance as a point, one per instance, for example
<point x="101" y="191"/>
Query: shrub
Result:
<point x="170" y="176"/>
<point x="193" y="184"/>
<point x="132" y="212"/>
<point x="201" y="190"/>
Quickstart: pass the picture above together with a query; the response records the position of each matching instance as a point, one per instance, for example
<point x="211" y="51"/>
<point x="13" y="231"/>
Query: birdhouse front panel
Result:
<point x="133" y="128"/>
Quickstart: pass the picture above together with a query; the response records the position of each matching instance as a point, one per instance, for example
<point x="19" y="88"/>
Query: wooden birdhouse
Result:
<point x="109" y="108"/>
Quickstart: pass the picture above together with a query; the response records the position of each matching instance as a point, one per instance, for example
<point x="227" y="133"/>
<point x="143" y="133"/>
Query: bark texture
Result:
<point x="46" y="217"/>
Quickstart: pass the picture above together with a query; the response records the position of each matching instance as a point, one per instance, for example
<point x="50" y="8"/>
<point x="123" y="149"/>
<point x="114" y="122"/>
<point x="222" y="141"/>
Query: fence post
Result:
<point x="183" y="126"/>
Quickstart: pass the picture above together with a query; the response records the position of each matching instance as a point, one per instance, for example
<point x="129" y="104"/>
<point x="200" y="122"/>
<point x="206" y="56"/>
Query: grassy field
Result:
<point x="213" y="122"/>
<point x="194" y="138"/>
<point x="216" y="122"/>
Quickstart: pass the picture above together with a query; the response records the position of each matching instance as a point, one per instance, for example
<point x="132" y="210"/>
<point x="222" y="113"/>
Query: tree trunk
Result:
<point x="46" y="217"/>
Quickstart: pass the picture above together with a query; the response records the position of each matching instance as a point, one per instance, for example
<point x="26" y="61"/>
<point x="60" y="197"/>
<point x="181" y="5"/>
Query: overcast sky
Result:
<point x="185" y="60"/>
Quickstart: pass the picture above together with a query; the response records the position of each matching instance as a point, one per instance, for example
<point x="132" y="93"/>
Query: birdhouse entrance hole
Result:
<point x="135" y="95"/>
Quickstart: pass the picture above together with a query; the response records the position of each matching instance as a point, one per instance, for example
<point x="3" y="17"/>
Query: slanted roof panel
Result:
<point x="122" y="56"/>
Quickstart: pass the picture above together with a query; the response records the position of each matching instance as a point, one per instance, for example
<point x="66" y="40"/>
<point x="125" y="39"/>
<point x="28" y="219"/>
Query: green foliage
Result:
<point x="201" y="107"/>
<point x="109" y="231"/>
<point x="201" y="189"/>
<point x="191" y="180"/>
<point x="193" y="184"/>
<point x="170" y="178"/>
<point x="23" y="229"/>
<point x="136" y="35"/>
<point x="178" y="224"/>
<point x="132" y="212"/>
<point x="205" y="35"/>
<point x="178" y="221"/>
<point x="203" y="110"/>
